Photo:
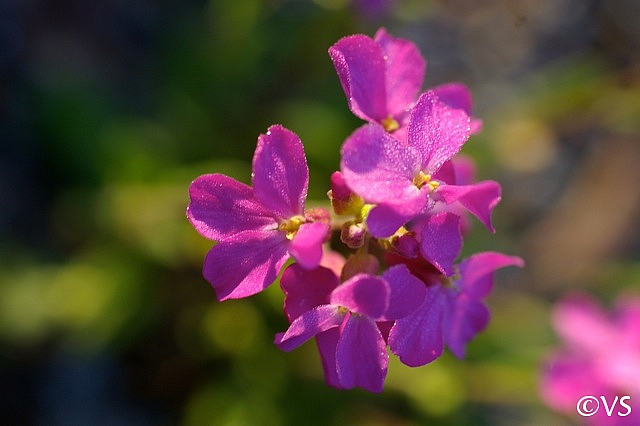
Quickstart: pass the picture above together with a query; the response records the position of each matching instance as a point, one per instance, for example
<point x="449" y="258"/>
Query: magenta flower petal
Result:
<point x="306" y="289"/>
<point x="360" y="65"/>
<point x="475" y="126"/>
<point x="437" y="131"/>
<point x="479" y="198"/>
<point x="407" y="292"/>
<point x="454" y="95"/>
<point x="441" y="241"/>
<point x="405" y="69"/>
<point x="280" y="173"/>
<point x="319" y="319"/>
<point x="465" y="318"/>
<point x="577" y="313"/>
<point x="476" y="272"/>
<point x="460" y="170"/>
<point x="418" y="339"/>
<point x="332" y="260"/>
<point x="566" y="378"/>
<point x="245" y="265"/>
<point x="365" y="294"/>
<point x="457" y="95"/>
<point x="380" y="168"/>
<point x="628" y="319"/>
<point x="384" y="219"/>
<point x="465" y="170"/>
<point x="327" y="342"/>
<point x="361" y="355"/>
<point x="446" y="173"/>
<point x="221" y="207"/>
<point x="306" y="246"/>
<point x="468" y="315"/>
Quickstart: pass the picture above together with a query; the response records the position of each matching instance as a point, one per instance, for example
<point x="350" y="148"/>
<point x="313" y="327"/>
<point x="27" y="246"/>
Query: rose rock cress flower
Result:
<point x="399" y="204"/>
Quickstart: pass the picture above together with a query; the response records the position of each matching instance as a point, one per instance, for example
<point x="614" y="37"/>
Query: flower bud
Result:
<point x="352" y="234"/>
<point x="343" y="200"/>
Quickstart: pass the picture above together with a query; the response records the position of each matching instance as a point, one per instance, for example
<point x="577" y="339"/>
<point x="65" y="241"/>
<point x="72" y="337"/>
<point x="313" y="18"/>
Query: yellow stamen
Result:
<point x="422" y="179"/>
<point x="387" y="243"/>
<point x="390" y="124"/>
<point x="291" y="226"/>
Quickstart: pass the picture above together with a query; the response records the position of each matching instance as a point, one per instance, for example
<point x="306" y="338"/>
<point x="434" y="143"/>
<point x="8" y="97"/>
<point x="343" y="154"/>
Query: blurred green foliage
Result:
<point x="115" y="270"/>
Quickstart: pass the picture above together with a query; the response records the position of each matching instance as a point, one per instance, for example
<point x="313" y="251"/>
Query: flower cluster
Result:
<point x="600" y="358"/>
<point x="400" y="201"/>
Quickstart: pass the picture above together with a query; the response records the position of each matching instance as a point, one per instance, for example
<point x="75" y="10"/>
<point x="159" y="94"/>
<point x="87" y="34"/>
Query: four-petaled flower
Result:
<point x="258" y="228"/>
<point x="382" y="77"/>
<point x="402" y="178"/>
<point x="452" y="311"/>
<point x="343" y="319"/>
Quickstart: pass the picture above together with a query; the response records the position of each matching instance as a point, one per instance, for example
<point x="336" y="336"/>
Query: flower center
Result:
<point x="451" y="282"/>
<point x="390" y="124"/>
<point x="422" y="179"/>
<point x="291" y="226"/>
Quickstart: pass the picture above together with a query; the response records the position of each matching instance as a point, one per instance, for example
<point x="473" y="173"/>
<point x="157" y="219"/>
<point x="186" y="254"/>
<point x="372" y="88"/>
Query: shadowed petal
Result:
<point x="437" y="131"/>
<point x="407" y="292"/>
<point x="304" y="289"/>
<point x="327" y="342"/>
<point x="441" y="241"/>
<point x="245" y="265"/>
<point x="360" y="65"/>
<point x="479" y="198"/>
<point x="307" y="325"/>
<point x="364" y="294"/>
<point x="361" y="355"/>
<point x="454" y="95"/>
<point x="476" y="272"/>
<point x="466" y="317"/>
<point x="405" y="69"/>
<point x="306" y="246"/>
<point x="332" y="260"/>
<point x="280" y="173"/>
<point x="384" y="219"/>
<point x="222" y="207"/>
<point x="418" y="338"/>
<point x="457" y="95"/>
<point x="380" y="168"/>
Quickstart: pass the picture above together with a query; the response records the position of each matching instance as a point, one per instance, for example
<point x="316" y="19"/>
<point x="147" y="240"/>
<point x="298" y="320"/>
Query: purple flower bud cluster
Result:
<point x="400" y="203"/>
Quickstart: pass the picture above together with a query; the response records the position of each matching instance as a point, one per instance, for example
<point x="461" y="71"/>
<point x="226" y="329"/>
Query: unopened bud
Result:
<point x="352" y="234"/>
<point x="343" y="200"/>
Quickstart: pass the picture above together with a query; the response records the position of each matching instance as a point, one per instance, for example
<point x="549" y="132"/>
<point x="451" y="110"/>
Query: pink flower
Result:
<point x="452" y="312"/>
<point x="258" y="228"/>
<point x="404" y="180"/>
<point x="382" y="77"/>
<point x="343" y="319"/>
<point x="600" y="357"/>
